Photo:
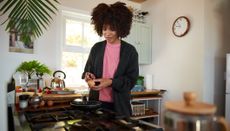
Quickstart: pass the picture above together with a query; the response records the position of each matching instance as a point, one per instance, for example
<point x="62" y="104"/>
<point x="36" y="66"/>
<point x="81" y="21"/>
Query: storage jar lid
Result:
<point x="190" y="106"/>
<point x="24" y="97"/>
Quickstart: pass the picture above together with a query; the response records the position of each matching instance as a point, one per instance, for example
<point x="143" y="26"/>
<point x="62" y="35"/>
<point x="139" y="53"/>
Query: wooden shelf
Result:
<point x="146" y="92"/>
<point x="149" y="113"/>
<point x="146" y="98"/>
<point x="30" y="108"/>
<point x="152" y="105"/>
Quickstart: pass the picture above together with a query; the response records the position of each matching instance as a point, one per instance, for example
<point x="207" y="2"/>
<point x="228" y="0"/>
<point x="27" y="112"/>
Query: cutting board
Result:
<point x="60" y="96"/>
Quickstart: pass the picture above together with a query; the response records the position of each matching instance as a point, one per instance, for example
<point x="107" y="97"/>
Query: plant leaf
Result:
<point x="7" y="6"/>
<point x="28" y="16"/>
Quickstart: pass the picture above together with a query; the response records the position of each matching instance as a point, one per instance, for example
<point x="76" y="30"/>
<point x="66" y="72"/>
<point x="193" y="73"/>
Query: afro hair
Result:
<point x="116" y="15"/>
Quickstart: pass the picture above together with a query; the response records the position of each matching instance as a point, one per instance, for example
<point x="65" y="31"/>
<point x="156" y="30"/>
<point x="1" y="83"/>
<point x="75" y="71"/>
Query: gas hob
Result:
<point x="71" y="119"/>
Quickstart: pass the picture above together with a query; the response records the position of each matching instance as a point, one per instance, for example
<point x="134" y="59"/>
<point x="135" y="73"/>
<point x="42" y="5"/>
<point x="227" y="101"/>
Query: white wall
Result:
<point x="217" y="32"/>
<point x="195" y="62"/>
<point x="177" y="62"/>
<point x="46" y="49"/>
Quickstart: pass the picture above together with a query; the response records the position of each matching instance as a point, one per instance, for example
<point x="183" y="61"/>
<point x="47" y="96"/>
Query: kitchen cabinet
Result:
<point x="152" y="108"/>
<point x="140" y="37"/>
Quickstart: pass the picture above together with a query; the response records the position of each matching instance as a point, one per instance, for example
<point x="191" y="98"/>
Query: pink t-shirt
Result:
<point x="110" y="63"/>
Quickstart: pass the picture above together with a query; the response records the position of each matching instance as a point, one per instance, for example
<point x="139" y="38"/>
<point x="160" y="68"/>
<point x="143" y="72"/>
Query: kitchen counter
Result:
<point x="59" y="97"/>
<point x="153" y="92"/>
<point x="20" y="121"/>
<point x="63" y="98"/>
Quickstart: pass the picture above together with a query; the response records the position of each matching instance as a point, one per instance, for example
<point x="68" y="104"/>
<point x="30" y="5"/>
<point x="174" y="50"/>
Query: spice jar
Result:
<point x="23" y="101"/>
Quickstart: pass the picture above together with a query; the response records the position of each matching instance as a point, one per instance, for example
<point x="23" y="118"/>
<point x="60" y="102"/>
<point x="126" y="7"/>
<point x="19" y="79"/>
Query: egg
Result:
<point x="91" y="83"/>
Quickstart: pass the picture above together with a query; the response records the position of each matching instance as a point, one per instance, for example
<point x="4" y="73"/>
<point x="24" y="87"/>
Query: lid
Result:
<point x="190" y="106"/>
<point x="24" y="97"/>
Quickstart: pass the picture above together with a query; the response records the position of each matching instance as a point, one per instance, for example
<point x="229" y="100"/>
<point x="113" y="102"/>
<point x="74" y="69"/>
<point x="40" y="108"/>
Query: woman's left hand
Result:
<point x="102" y="83"/>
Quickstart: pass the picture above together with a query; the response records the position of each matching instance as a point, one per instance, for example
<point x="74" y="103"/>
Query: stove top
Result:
<point x="71" y="119"/>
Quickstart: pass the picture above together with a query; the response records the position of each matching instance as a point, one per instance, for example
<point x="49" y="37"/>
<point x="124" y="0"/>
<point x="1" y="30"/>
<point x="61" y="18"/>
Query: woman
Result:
<point x="113" y="63"/>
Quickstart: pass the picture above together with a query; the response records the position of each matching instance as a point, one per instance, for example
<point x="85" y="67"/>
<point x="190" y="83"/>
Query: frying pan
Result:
<point x="86" y="105"/>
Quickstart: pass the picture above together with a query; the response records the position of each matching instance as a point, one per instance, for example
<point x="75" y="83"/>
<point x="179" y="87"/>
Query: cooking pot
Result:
<point x="189" y="115"/>
<point x="58" y="80"/>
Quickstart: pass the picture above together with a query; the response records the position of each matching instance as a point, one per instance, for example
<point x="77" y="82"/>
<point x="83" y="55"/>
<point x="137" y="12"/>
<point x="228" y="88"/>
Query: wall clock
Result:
<point x="181" y="26"/>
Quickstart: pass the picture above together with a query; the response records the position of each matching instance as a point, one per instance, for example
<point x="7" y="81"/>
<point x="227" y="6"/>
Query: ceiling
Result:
<point x="138" y="1"/>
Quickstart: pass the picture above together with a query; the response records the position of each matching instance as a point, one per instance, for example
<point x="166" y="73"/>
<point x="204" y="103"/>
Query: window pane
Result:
<point x="73" y="65"/>
<point x="73" y="32"/>
<point x="79" y="37"/>
<point x="90" y="36"/>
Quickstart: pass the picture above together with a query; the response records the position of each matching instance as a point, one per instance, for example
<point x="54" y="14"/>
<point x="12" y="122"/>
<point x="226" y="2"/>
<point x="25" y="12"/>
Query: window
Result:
<point x="78" y="37"/>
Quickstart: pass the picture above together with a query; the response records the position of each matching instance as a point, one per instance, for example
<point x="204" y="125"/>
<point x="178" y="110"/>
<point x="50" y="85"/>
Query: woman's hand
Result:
<point x="101" y="83"/>
<point x="89" y="76"/>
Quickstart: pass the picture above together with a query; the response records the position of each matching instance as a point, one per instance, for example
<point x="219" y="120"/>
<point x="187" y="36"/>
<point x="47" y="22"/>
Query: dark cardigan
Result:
<point x="124" y="78"/>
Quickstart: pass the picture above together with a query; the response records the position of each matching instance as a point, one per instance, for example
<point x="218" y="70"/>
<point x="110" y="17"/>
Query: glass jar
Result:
<point x="189" y="115"/>
<point x="23" y="101"/>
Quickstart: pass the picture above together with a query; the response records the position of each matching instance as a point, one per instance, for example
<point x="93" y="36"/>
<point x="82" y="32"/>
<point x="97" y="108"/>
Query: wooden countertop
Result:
<point x="60" y="96"/>
<point x="70" y="97"/>
<point x="147" y="92"/>
<point x="64" y="99"/>
<point x="74" y="96"/>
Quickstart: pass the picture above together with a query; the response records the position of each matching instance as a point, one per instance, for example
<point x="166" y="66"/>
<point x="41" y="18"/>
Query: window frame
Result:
<point x="78" y="16"/>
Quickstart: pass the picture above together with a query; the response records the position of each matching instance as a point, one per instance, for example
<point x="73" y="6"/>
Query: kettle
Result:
<point x="189" y="115"/>
<point x="58" y="80"/>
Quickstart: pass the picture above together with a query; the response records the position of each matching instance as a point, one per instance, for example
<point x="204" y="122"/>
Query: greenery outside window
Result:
<point x="78" y="37"/>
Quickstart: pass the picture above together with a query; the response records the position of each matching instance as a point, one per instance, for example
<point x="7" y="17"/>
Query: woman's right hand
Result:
<point x="89" y="76"/>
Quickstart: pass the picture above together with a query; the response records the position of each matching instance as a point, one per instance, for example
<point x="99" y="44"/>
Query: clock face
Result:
<point x="181" y="26"/>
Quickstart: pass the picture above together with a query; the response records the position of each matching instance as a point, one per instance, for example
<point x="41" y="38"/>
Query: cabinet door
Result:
<point x="144" y="44"/>
<point x="134" y="37"/>
<point x="140" y="38"/>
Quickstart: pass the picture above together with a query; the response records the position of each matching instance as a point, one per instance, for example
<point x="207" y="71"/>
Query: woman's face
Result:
<point x="110" y="35"/>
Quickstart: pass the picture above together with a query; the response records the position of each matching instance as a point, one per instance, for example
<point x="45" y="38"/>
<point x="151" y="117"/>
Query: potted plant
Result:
<point x="140" y="80"/>
<point x="28" y="17"/>
<point x="33" y="67"/>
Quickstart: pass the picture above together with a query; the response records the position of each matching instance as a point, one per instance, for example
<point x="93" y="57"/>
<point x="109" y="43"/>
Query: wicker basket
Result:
<point x="138" y="108"/>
